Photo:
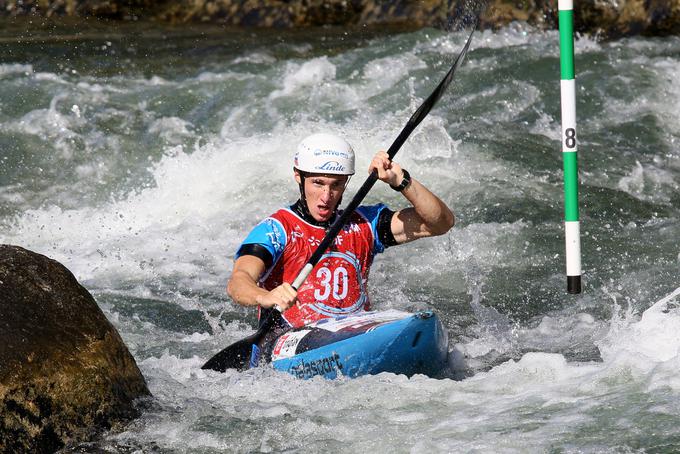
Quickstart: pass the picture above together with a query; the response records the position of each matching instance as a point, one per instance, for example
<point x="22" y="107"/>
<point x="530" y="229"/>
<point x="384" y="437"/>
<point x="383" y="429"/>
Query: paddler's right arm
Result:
<point x="243" y="288"/>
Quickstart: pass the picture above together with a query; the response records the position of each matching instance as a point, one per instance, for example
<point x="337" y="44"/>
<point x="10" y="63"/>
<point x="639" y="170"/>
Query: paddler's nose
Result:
<point x="326" y="194"/>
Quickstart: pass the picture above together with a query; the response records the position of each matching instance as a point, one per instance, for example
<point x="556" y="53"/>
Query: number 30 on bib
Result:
<point x="335" y="283"/>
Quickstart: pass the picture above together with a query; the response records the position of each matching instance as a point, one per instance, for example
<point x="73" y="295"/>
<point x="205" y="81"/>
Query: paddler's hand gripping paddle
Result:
<point x="237" y="355"/>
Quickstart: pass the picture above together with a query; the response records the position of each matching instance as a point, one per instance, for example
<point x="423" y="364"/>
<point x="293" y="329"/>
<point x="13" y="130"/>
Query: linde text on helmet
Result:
<point x="331" y="166"/>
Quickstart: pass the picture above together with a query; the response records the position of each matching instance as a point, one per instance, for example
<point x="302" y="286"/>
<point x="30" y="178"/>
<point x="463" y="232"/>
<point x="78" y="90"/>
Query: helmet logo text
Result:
<point x="332" y="166"/>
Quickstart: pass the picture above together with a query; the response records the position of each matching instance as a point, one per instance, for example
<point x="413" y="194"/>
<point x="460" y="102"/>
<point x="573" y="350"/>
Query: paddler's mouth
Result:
<point x="324" y="211"/>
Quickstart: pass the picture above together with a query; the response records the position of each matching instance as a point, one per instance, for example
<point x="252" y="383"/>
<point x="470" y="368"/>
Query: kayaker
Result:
<point x="277" y="248"/>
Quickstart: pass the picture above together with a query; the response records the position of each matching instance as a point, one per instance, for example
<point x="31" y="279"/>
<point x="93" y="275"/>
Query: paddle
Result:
<point x="237" y="355"/>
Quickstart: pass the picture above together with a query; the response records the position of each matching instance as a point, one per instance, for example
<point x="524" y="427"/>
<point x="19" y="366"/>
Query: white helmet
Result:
<point x="325" y="153"/>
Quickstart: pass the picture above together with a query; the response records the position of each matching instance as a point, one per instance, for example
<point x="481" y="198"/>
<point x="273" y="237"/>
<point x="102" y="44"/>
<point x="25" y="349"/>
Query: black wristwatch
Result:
<point x="404" y="183"/>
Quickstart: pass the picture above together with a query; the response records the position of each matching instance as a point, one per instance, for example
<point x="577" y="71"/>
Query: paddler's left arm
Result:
<point x="428" y="215"/>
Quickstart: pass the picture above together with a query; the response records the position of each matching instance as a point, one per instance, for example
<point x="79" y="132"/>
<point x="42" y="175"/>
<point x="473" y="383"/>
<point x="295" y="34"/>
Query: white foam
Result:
<point x="649" y="182"/>
<point x="487" y="243"/>
<point x="196" y="338"/>
<point x="667" y="71"/>
<point x="211" y="77"/>
<point x="172" y="130"/>
<point x="184" y="226"/>
<point x="384" y="72"/>
<point x="15" y="68"/>
<point x="50" y="77"/>
<point x="308" y="74"/>
<point x="47" y="123"/>
<point x="645" y="343"/>
<point x="158" y="81"/>
<point x="255" y="57"/>
<point x="634" y="350"/>
<point x="433" y="140"/>
<point x="97" y="88"/>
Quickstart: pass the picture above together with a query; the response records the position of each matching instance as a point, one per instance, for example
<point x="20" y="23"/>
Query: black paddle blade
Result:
<point x="236" y="356"/>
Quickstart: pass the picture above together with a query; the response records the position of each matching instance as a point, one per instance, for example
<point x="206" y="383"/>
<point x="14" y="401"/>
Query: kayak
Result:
<point x="364" y="344"/>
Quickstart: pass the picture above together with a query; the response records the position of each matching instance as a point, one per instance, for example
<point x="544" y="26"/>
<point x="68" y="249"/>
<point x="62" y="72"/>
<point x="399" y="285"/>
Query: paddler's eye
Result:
<point x="340" y="184"/>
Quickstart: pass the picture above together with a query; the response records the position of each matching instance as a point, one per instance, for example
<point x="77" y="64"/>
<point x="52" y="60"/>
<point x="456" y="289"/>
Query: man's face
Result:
<point x="323" y="192"/>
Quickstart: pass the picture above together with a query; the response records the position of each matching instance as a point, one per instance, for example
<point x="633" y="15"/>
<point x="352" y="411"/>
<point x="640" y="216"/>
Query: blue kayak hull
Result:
<point x="365" y="344"/>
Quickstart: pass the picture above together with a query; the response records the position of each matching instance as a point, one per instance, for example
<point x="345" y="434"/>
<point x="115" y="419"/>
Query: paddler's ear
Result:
<point x="298" y="176"/>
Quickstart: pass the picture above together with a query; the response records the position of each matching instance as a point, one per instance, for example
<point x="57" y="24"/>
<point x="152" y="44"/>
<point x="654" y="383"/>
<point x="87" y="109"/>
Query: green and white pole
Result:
<point x="569" y="146"/>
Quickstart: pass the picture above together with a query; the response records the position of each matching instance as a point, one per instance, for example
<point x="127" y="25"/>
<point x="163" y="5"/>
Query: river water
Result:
<point x="140" y="157"/>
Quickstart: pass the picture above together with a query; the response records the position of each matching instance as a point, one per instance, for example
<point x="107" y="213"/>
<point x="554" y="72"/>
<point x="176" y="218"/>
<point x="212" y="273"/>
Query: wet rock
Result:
<point x="602" y="18"/>
<point x="611" y="19"/>
<point x="65" y="373"/>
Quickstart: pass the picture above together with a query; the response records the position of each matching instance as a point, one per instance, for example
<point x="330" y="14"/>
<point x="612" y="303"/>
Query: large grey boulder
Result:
<point x="65" y="373"/>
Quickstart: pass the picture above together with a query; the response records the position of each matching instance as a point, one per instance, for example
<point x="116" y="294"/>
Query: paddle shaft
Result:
<point x="413" y="122"/>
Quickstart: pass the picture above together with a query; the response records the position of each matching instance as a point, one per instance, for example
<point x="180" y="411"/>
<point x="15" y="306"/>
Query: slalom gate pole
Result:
<point x="569" y="146"/>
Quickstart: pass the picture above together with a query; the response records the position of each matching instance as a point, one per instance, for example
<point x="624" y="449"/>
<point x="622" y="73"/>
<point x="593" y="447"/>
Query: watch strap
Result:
<point x="404" y="182"/>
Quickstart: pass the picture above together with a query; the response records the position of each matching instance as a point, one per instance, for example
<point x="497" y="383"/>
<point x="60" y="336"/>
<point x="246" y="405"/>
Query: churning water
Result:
<point x="140" y="157"/>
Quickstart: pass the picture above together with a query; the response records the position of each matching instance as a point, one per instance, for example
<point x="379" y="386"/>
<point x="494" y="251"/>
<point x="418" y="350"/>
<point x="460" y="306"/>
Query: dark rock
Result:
<point x="65" y="373"/>
<point x="110" y="9"/>
<point x="602" y="18"/>
<point x="605" y="19"/>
